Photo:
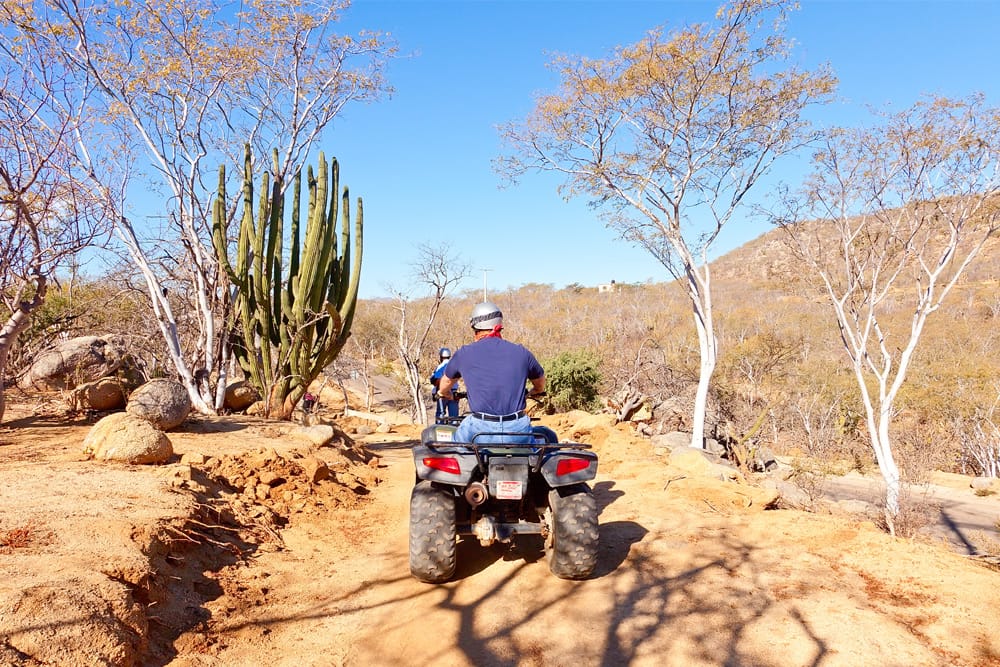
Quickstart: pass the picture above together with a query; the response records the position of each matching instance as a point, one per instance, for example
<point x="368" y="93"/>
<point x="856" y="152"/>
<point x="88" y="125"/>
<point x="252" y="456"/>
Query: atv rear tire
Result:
<point x="432" y="533"/>
<point x="573" y="534"/>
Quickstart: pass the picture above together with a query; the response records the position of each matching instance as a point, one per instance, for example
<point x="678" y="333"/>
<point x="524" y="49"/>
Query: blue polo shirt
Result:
<point x="495" y="372"/>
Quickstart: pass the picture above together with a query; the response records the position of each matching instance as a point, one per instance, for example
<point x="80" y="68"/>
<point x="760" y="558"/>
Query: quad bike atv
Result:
<point x="495" y="492"/>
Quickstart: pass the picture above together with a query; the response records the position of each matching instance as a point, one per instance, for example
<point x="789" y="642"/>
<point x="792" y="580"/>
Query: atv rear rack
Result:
<point x="537" y="450"/>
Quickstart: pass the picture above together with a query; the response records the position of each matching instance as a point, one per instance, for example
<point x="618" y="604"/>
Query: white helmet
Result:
<point x="486" y="315"/>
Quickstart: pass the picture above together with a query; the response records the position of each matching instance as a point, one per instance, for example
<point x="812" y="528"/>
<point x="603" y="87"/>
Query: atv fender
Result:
<point x="443" y="465"/>
<point x="569" y="467"/>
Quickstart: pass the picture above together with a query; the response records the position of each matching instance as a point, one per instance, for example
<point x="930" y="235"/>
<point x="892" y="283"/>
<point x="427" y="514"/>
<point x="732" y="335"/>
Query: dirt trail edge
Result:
<point x="692" y="571"/>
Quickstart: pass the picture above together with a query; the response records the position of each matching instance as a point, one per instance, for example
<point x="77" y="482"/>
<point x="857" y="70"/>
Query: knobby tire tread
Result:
<point x="432" y="533"/>
<point x="573" y="544"/>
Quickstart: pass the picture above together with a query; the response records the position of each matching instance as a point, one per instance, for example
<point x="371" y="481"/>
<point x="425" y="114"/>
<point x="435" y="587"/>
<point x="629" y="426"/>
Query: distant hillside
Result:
<point x="767" y="259"/>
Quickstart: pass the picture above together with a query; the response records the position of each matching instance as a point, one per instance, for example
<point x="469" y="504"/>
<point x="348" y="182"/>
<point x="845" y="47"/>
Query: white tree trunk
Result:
<point x="413" y="383"/>
<point x="167" y="322"/>
<point x="700" y="293"/>
<point x="17" y="323"/>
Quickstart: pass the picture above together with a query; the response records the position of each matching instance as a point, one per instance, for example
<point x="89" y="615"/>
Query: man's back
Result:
<point x="494" y="372"/>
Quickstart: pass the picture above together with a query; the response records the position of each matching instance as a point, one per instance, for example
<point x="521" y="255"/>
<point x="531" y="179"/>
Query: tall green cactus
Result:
<point x="290" y="322"/>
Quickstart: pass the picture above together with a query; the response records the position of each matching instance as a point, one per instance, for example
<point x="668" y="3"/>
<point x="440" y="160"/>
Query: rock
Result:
<point x="697" y="463"/>
<point x="127" y="438"/>
<point x="316" y="469"/>
<point x="76" y="361"/>
<point x="193" y="459"/>
<point x="103" y="394"/>
<point x="364" y="429"/>
<point x="793" y="495"/>
<point x="240" y="396"/>
<point x="262" y="458"/>
<point x="164" y="403"/>
<point x="985" y="484"/>
<point x="271" y="478"/>
<point x="671" y="441"/>
<point x="855" y="506"/>
<point x="318" y="435"/>
<point x="765" y="461"/>
<point x="713" y="446"/>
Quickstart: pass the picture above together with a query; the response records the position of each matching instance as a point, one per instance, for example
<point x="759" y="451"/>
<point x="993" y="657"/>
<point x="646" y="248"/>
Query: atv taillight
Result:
<point x="444" y="464"/>
<point x="570" y="465"/>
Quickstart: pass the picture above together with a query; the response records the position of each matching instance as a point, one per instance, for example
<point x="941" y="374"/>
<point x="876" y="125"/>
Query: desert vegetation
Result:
<point x="678" y="127"/>
<point x="783" y="374"/>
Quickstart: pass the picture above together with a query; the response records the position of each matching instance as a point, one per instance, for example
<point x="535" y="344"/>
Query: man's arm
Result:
<point x="537" y="385"/>
<point x="444" y="387"/>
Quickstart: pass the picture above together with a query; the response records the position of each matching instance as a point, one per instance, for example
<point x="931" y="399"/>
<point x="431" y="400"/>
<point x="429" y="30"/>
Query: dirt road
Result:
<point x="692" y="571"/>
<point x="108" y="564"/>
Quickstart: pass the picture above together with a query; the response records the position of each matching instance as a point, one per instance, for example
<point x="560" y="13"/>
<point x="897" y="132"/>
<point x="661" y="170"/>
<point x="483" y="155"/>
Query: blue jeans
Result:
<point x="471" y="426"/>
<point x="445" y="407"/>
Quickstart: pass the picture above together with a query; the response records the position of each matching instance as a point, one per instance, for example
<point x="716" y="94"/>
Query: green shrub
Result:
<point x="571" y="381"/>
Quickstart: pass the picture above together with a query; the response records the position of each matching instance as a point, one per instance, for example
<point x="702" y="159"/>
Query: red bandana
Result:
<point x="495" y="333"/>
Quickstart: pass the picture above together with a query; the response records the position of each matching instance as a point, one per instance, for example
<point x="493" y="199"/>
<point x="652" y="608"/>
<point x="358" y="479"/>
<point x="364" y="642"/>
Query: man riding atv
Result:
<point x="495" y="372"/>
<point x="495" y="477"/>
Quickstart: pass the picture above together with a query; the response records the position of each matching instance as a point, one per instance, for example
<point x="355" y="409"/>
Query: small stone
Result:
<point x="271" y="478"/>
<point x="316" y="469"/>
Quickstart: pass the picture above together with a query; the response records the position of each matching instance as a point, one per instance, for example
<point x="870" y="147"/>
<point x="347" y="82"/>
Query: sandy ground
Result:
<point x="104" y="564"/>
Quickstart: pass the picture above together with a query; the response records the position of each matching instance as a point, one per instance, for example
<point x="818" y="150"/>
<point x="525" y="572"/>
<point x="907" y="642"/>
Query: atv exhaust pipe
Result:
<point x="476" y="493"/>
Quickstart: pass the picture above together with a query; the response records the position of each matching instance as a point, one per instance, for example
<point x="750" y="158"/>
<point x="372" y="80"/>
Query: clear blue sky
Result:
<point x="421" y="160"/>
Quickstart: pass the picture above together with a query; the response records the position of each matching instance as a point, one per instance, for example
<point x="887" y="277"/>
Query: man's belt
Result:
<point x="499" y="418"/>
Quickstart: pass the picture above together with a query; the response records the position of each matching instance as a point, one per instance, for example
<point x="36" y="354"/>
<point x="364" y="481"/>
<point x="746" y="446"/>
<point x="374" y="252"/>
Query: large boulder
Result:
<point x="70" y="363"/>
<point x="104" y="394"/>
<point x="162" y="402"/>
<point x="127" y="438"/>
<point x="240" y="396"/>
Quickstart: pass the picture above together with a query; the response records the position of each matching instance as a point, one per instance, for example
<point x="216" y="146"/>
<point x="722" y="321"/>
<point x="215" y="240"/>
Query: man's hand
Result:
<point x="537" y="386"/>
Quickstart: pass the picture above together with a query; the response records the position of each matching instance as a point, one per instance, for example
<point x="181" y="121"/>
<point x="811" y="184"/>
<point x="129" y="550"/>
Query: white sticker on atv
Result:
<point x="509" y="489"/>
<point x="444" y="435"/>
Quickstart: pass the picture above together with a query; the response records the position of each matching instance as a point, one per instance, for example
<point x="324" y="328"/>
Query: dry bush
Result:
<point x="919" y="451"/>
<point x="985" y="544"/>
<point x="916" y="512"/>
<point x="810" y="477"/>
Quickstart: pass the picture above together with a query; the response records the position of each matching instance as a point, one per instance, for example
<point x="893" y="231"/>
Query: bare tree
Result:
<point x="670" y="135"/>
<point x="891" y="215"/>
<point x="440" y="272"/>
<point x="371" y="348"/>
<point x="181" y="88"/>
<point x="47" y="211"/>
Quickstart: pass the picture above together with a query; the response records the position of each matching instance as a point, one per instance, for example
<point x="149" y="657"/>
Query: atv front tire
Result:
<point x="573" y="534"/>
<point x="432" y="533"/>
